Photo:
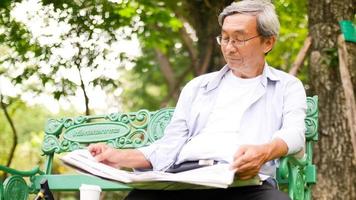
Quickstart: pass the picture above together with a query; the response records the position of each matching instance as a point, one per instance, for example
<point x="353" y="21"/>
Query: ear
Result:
<point x="268" y="44"/>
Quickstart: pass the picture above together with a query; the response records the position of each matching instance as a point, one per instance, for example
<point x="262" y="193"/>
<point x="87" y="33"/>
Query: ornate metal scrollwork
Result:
<point x="124" y="118"/>
<point x="64" y="145"/>
<point x="137" y="120"/>
<point x="312" y="106"/>
<point x="299" y="184"/>
<point x="292" y="170"/>
<point x="113" y="117"/>
<point x="50" y="144"/>
<point x="74" y="146"/>
<point x="67" y="146"/>
<point x="80" y="120"/>
<point x="139" y="138"/>
<point x="143" y="117"/>
<point x="311" y="128"/>
<point x="53" y="127"/>
<point x="158" y="123"/>
<point x="311" y="121"/>
<point x="68" y="122"/>
<point x="283" y="169"/>
<point x="1" y="191"/>
<point x="307" y="193"/>
<point x="135" y="139"/>
<point x="15" y="188"/>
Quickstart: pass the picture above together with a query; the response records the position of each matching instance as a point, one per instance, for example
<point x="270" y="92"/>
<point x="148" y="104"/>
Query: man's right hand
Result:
<point x="131" y="158"/>
<point x="105" y="154"/>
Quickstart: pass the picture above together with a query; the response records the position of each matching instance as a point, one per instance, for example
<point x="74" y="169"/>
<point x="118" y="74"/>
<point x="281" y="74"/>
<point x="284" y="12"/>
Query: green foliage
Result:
<point x="293" y="32"/>
<point x="92" y="29"/>
<point x="140" y="85"/>
<point x="157" y="27"/>
<point x="145" y="85"/>
<point x="14" y="35"/>
<point x="29" y="122"/>
<point x="146" y="74"/>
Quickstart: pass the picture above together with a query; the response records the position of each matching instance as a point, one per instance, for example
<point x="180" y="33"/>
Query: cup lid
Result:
<point x="90" y="187"/>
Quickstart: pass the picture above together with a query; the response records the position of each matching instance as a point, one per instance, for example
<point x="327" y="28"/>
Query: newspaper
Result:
<point x="218" y="175"/>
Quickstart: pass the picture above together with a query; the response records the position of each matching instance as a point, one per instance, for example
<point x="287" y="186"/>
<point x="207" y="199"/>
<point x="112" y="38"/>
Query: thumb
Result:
<point x="240" y="151"/>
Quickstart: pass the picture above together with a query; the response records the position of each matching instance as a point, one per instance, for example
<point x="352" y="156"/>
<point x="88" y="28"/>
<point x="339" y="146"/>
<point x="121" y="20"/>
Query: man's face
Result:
<point x="243" y="57"/>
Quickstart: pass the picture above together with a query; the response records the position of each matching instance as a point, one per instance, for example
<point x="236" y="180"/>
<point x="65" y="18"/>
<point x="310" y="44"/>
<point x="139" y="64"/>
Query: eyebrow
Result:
<point x="236" y="31"/>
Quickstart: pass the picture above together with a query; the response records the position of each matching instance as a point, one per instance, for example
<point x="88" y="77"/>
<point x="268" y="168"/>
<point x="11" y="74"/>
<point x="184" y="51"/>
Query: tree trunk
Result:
<point x="203" y="17"/>
<point x="14" y="134"/>
<point x="333" y="152"/>
<point x="86" y="98"/>
<point x="205" y="55"/>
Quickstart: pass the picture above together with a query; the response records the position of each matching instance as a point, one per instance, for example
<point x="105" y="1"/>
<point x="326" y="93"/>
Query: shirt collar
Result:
<point x="268" y="74"/>
<point x="213" y="83"/>
<point x="210" y="84"/>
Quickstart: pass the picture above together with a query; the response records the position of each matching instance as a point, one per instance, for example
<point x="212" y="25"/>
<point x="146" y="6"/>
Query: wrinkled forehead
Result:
<point x="239" y="24"/>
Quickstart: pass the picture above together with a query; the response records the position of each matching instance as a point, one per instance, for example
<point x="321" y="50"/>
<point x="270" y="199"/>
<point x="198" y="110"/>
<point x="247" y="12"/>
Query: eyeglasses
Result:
<point x="235" y="41"/>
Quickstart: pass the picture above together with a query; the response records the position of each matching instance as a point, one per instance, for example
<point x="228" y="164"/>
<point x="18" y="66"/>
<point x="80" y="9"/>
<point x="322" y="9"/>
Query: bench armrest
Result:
<point x="32" y="172"/>
<point x="15" y="186"/>
<point x="299" y="174"/>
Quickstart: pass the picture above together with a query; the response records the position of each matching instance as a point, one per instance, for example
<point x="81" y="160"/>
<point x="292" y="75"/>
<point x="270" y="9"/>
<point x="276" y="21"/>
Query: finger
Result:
<point x="240" y="154"/>
<point x="240" y="151"/>
<point x="101" y="157"/>
<point x="237" y="157"/>
<point x="245" y="177"/>
<point x="104" y="155"/>
<point x="243" y="167"/>
<point x="240" y="161"/>
<point x="95" y="149"/>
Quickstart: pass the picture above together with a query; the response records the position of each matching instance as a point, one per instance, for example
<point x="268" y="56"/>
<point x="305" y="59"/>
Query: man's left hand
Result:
<point x="248" y="160"/>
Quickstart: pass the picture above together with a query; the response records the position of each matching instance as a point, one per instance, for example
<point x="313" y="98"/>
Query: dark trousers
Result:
<point x="266" y="191"/>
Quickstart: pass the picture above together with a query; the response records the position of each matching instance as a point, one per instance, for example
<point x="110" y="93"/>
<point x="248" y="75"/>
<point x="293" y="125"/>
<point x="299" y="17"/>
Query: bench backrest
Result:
<point x="129" y="130"/>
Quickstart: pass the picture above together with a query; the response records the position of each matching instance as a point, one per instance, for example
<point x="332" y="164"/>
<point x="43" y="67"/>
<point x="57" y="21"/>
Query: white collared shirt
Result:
<point x="277" y="108"/>
<point x="220" y="138"/>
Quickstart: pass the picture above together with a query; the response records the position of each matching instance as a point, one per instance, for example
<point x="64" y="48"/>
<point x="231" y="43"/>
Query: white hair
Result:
<point x="267" y="20"/>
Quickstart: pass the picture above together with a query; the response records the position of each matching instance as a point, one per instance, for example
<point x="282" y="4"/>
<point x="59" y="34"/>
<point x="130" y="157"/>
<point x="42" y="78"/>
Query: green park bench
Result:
<point x="132" y="130"/>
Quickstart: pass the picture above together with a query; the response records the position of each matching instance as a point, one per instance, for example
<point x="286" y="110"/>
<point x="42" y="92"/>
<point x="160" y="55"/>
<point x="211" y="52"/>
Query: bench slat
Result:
<point x="73" y="182"/>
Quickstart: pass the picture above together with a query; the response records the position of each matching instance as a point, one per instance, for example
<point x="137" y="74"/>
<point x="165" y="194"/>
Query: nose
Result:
<point x="230" y="47"/>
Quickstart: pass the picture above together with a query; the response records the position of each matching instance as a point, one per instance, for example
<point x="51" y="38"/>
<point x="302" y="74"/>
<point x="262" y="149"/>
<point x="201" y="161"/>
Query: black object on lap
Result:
<point x="188" y="165"/>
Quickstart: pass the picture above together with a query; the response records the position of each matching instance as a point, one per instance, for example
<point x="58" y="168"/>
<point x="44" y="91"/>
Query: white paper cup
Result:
<point x="89" y="192"/>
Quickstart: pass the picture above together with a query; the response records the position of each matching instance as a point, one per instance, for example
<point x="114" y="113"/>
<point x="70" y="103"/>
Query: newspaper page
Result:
<point x="218" y="175"/>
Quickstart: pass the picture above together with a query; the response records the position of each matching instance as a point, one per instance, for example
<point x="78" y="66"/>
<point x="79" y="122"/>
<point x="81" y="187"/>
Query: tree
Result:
<point x="81" y="43"/>
<point x="177" y="39"/>
<point x="80" y="47"/>
<point x="334" y="153"/>
<point x="190" y="50"/>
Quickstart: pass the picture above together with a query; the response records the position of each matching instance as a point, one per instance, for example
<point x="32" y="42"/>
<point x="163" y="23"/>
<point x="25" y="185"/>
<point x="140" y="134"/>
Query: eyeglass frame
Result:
<point x="235" y="42"/>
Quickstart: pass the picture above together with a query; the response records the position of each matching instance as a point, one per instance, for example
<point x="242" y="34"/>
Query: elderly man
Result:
<point x="256" y="111"/>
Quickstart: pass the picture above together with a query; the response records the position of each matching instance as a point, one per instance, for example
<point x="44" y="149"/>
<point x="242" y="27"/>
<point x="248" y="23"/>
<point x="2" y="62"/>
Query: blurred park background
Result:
<point x="84" y="57"/>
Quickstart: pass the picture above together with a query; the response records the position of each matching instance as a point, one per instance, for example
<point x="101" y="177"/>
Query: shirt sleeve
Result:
<point x="293" y="128"/>
<point x="164" y="151"/>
